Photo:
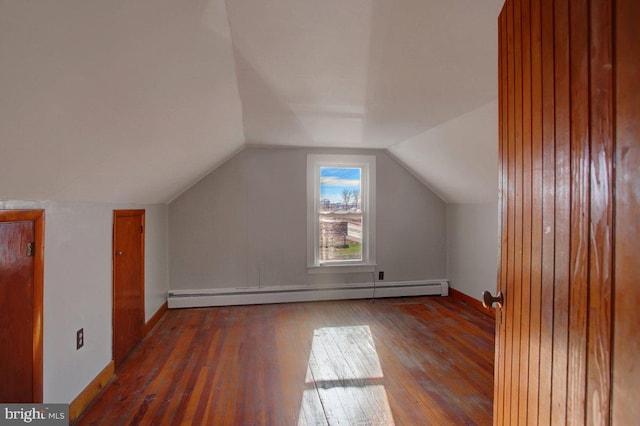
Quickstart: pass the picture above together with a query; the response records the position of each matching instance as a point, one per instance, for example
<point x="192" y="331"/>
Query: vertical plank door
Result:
<point x="625" y="404"/>
<point x="21" y="291"/>
<point x="128" y="281"/>
<point x="16" y="307"/>
<point x="567" y="134"/>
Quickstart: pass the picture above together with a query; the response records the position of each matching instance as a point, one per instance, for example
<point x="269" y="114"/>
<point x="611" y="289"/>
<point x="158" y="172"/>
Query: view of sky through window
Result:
<point x="335" y="180"/>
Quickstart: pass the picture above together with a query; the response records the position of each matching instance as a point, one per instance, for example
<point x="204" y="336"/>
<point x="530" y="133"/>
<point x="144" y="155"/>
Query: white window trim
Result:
<point x="368" y="206"/>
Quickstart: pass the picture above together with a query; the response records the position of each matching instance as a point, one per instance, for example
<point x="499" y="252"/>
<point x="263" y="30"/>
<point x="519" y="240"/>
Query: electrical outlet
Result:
<point x="79" y="338"/>
<point x="380" y="275"/>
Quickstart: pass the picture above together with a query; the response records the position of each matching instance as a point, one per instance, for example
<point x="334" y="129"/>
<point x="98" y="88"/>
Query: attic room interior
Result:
<point x="287" y="212"/>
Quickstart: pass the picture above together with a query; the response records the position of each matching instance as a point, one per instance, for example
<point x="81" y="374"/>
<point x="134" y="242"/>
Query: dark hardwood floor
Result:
<point x="404" y="361"/>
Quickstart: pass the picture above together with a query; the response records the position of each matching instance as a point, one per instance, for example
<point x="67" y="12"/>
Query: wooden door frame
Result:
<point x="37" y="217"/>
<point x="116" y="214"/>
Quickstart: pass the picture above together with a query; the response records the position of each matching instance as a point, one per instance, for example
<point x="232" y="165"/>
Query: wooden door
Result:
<point x="625" y="399"/>
<point x="21" y="306"/>
<point x="558" y="112"/>
<point x="128" y="281"/>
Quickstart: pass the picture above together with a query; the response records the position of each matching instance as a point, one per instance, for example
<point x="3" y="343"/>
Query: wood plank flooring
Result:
<point x="403" y="361"/>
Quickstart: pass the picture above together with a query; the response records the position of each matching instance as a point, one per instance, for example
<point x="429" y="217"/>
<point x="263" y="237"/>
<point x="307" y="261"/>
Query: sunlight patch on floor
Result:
<point x="344" y="380"/>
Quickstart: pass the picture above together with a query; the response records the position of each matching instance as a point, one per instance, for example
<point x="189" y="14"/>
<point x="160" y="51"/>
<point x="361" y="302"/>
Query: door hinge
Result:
<point x="141" y="229"/>
<point x="31" y="249"/>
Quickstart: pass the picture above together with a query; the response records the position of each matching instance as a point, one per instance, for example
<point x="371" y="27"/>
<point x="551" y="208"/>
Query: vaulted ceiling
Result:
<point x="134" y="101"/>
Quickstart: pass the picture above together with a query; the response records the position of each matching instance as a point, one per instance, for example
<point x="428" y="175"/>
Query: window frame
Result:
<point x="367" y="165"/>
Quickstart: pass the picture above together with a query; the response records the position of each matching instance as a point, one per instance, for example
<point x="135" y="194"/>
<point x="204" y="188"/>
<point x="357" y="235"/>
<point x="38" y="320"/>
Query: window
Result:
<point x="341" y="212"/>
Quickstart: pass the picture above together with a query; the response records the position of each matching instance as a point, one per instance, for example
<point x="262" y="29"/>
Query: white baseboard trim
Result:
<point x="264" y="295"/>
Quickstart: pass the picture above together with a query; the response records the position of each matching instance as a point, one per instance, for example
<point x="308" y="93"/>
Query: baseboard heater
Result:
<point x="264" y="295"/>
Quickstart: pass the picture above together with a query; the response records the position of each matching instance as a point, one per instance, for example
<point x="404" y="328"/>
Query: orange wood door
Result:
<point x="128" y="281"/>
<point x="20" y="306"/>
<point x="554" y="339"/>
<point x="625" y="401"/>
<point x="16" y="307"/>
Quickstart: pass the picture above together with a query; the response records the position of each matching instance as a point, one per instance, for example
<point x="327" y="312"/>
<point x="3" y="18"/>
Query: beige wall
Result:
<point x="244" y="225"/>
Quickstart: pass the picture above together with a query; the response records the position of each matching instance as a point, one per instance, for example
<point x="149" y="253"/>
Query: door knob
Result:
<point x="488" y="300"/>
<point x="119" y="253"/>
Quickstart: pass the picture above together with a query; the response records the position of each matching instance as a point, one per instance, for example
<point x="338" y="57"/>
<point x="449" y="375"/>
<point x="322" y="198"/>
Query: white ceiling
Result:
<point x="125" y="101"/>
<point x="114" y="101"/>
<point x="458" y="159"/>
<point x="360" y="73"/>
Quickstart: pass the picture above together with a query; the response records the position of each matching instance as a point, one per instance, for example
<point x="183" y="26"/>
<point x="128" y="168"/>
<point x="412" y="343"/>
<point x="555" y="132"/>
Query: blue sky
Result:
<point x="334" y="179"/>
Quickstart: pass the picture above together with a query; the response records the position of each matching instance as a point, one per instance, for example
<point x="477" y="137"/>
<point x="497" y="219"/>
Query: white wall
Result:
<point x="78" y="287"/>
<point x="459" y="160"/>
<point x="156" y="258"/>
<point x="244" y="225"/>
<point x="472" y="247"/>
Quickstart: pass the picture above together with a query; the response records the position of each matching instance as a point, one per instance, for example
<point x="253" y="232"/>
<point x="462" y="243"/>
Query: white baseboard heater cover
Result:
<point x="264" y="295"/>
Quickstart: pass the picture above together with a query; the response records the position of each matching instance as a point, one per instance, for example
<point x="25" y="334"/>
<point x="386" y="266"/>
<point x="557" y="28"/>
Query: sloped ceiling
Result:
<point x="360" y="73"/>
<point x="114" y="101"/>
<point x="133" y="101"/>
<point x="458" y="159"/>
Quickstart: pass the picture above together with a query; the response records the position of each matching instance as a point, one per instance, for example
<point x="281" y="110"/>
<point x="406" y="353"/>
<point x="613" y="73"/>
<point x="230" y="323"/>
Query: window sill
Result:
<point x="341" y="269"/>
